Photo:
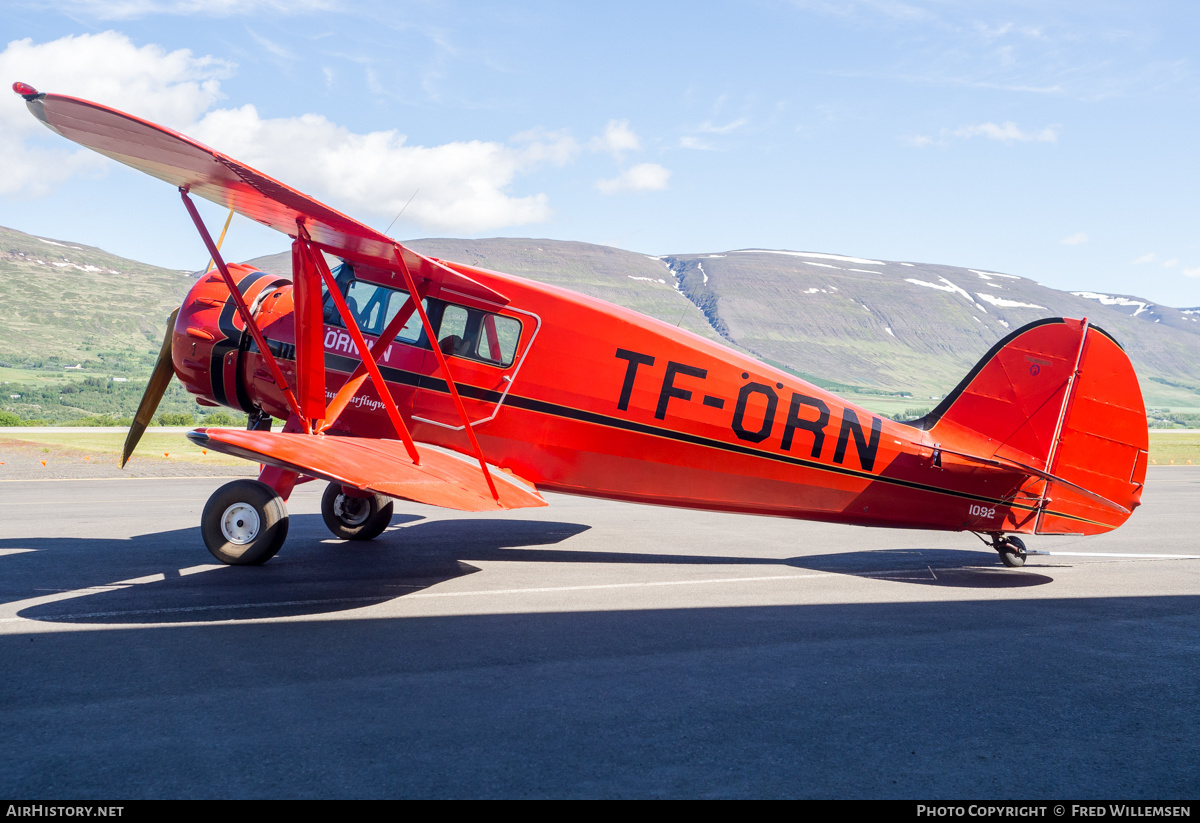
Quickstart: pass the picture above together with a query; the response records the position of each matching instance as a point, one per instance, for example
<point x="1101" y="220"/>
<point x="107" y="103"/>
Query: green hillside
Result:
<point x="62" y="304"/>
<point x="74" y="317"/>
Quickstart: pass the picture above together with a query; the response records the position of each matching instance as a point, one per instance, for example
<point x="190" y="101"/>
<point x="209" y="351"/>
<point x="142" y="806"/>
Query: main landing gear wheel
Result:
<point x="244" y="523"/>
<point x="1012" y="551"/>
<point x="355" y="518"/>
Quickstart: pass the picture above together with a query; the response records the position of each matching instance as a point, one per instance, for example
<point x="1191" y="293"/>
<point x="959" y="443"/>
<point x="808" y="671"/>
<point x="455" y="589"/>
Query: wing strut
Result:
<point x="346" y="393"/>
<point x="244" y="311"/>
<point x="309" y="328"/>
<point x="351" y="322"/>
<point x="445" y="367"/>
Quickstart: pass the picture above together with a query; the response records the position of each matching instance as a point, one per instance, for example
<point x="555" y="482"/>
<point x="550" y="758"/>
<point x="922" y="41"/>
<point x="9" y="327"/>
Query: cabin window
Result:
<point x="411" y="332"/>
<point x="476" y="335"/>
<point x="452" y="331"/>
<point x="498" y="339"/>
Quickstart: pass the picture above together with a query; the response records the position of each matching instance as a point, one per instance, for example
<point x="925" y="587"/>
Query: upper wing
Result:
<point x="190" y="165"/>
<point x="444" y="478"/>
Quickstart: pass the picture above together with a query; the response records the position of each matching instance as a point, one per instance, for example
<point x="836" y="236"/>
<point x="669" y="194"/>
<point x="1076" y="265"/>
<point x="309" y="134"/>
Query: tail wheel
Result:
<point x="355" y="518"/>
<point x="244" y="523"/>
<point x="1012" y="551"/>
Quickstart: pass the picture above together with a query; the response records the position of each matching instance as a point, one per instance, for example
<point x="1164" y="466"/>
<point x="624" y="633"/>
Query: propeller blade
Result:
<point x="164" y="370"/>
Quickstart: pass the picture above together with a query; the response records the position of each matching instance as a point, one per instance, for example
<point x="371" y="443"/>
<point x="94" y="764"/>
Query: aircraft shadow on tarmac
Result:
<point x="105" y="576"/>
<point x="930" y="567"/>
<point x="139" y="580"/>
<point x="956" y="568"/>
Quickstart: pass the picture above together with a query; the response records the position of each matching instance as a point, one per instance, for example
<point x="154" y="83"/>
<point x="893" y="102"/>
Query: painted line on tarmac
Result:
<point x="600" y="586"/>
<point x="1115" y="554"/>
<point x="187" y="609"/>
<point x="372" y="599"/>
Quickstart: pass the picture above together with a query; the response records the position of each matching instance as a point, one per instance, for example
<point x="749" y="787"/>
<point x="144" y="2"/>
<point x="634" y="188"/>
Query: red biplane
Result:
<point x="403" y="376"/>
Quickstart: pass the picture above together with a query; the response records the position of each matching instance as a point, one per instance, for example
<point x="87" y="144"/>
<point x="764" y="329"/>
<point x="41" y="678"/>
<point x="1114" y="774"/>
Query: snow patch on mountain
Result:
<point x="1110" y="300"/>
<point x="1007" y="304"/>
<point x="838" y="257"/>
<point x="987" y="274"/>
<point x="947" y="287"/>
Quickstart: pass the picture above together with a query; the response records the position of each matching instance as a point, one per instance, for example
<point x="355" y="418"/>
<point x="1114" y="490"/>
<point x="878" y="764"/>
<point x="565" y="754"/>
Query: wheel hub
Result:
<point x="240" y="524"/>
<point x="353" y="511"/>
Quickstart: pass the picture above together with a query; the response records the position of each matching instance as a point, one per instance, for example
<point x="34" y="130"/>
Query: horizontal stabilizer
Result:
<point x="1005" y="463"/>
<point x="444" y="478"/>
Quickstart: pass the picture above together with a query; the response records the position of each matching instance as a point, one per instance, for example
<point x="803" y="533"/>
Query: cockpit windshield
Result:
<point x="372" y="305"/>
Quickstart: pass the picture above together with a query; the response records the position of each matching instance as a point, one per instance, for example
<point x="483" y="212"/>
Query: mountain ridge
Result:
<point x="890" y="327"/>
<point x="876" y="326"/>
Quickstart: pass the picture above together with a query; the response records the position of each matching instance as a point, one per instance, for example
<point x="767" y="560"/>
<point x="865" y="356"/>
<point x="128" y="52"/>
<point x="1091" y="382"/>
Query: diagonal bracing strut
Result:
<point x="244" y="311"/>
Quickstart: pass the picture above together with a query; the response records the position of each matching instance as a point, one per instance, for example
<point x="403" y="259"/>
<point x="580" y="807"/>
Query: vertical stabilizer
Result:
<point x="1061" y="396"/>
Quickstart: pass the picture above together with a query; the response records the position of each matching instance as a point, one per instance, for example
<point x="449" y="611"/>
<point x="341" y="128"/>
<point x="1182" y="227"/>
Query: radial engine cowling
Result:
<point x="211" y="341"/>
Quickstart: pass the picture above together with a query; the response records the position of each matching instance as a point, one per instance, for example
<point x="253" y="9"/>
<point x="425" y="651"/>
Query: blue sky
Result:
<point x="1055" y="140"/>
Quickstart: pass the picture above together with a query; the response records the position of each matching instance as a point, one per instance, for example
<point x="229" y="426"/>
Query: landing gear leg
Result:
<point x="244" y="523"/>
<point x="1011" y="549"/>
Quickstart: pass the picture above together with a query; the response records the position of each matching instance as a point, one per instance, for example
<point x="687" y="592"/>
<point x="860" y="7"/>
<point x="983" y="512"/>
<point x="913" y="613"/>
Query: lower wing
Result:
<point x="443" y="478"/>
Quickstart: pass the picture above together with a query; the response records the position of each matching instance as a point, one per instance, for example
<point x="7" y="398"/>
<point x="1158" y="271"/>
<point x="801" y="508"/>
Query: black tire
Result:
<point x="355" y="518"/>
<point x="1012" y="552"/>
<point x="244" y="523"/>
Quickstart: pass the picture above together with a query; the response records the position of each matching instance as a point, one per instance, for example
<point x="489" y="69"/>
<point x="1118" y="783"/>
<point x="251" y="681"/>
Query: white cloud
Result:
<point x="1004" y="29"/>
<point x="695" y="143"/>
<point x="1007" y="133"/>
<point x="172" y="88"/>
<point x="707" y="127"/>
<point x="1192" y="272"/>
<point x="541" y="146"/>
<point x="642" y="177"/>
<point x="276" y="50"/>
<point x="855" y="8"/>
<point x="1148" y="257"/>
<point x="618" y="138"/>
<point x="463" y="185"/>
<point x="1170" y="264"/>
<point x="1076" y="239"/>
<point x="129" y="9"/>
<point x="691" y="141"/>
